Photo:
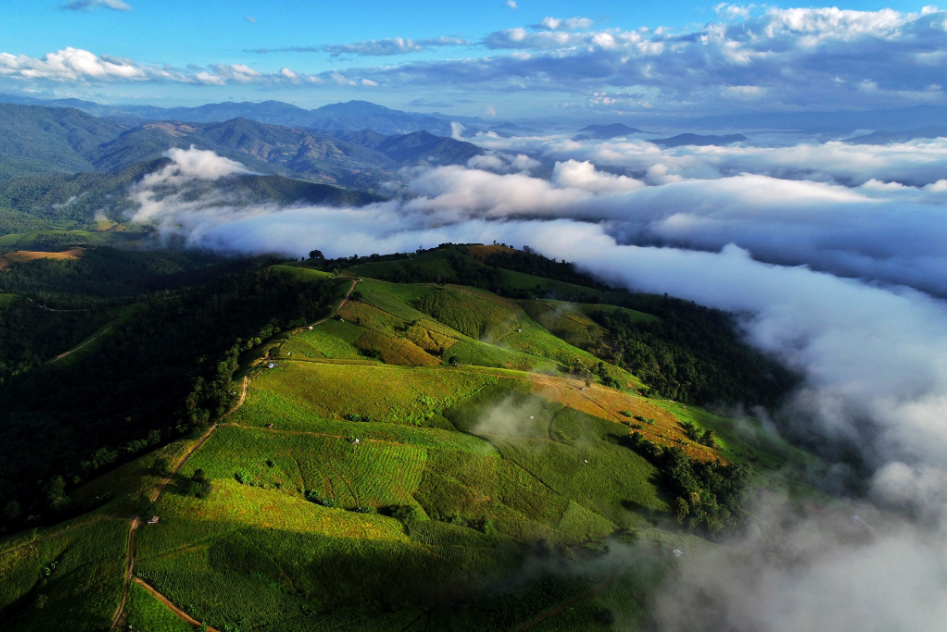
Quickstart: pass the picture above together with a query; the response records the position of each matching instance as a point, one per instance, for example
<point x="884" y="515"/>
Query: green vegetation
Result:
<point x="692" y="355"/>
<point x="433" y="456"/>
<point x="146" y="612"/>
<point x="158" y="375"/>
<point x="55" y="583"/>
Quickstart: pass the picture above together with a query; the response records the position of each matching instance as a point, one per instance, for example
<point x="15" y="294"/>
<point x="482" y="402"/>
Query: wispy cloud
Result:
<point x="568" y="24"/>
<point x="430" y="103"/>
<point x="371" y="48"/>
<point x="89" y="5"/>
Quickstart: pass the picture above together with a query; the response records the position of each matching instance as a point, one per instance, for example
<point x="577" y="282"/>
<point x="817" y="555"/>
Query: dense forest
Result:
<point x="694" y="354"/>
<point x="163" y="372"/>
<point x="105" y="276"/>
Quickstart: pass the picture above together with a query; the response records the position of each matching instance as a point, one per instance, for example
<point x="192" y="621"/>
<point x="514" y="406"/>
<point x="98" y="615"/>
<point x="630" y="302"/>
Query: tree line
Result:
<point x="162" y="374"/>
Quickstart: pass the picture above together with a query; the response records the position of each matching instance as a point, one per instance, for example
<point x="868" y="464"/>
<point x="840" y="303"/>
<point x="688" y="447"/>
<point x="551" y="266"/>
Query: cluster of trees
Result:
<point x="707" y="495"/>
<point x="705" y="437"/>
<point x="694" y="354"/>
<point x="31" y="335"/>
<point x="164" y="372"/>
<point x="528" y="261"/>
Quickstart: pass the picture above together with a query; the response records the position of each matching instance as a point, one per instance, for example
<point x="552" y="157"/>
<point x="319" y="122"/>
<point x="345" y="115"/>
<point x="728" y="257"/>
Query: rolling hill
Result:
<point x="466" y="453"/>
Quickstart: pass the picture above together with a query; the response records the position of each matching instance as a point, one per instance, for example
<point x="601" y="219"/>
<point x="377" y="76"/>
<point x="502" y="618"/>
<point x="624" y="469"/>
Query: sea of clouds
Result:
<point x="835" y="256"/>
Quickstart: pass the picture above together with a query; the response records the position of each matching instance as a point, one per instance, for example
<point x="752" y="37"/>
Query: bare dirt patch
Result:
<point x="21" y="256"/>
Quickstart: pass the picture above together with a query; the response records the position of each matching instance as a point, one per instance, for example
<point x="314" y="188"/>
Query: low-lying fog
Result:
<point x="834" y="254"/>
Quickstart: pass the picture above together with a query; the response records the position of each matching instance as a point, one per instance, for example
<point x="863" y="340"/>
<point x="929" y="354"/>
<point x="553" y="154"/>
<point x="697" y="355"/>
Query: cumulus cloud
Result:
<point x="76" y="65"/>
<point x="799" y="58"/>
<point x="88" y="5"/>
<point x="802" y="58"/>
<point x="371" y="48"/>
<point x="568" y="24"/>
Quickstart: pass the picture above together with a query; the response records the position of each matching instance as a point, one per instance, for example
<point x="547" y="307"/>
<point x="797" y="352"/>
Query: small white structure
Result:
<point x="531" y="417"/>
<point x="153" y="520"/>
<point x="310" y="327"/>
<point x="356" y="441"/>
<point x="271" y="365"/>
<point x="586" y="461"/>
<point x="677" y="552"/>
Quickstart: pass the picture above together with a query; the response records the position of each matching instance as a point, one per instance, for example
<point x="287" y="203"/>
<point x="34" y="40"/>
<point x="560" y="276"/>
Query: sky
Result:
<point x="501" y="57"/>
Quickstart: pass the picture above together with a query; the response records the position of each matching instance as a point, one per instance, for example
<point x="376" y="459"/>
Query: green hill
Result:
<point x="35" y="139"/>
<point x="330" y="451"/>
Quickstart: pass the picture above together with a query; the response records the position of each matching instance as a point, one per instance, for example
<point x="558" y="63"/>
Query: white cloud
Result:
<point x="511" y="4"/>
<point x="568" y="24"/>
<point x="88" y="5"/>
<point x="75" y="65"/>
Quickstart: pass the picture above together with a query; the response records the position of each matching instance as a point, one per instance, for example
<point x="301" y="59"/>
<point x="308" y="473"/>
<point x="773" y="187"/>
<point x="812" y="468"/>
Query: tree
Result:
<point x="316" y="255"/>
<point x="146" y="507"/>
<point x="199" y="486"/>
<point x="162" y="466"/>
<point x="12" y="511"/>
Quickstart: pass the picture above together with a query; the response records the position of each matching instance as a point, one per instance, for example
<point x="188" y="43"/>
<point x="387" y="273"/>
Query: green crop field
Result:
<point x="383" y="393"/>
<point x="65" y="582"/>
<point x="332" y="339"/>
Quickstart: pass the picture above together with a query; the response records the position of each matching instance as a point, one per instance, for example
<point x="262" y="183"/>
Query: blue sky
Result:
<point x="473" y="58"/>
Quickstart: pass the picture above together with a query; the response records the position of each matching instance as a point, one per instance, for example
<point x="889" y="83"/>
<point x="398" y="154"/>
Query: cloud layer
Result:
<point x="873" y="357"/>
<point x="750" y="58"/>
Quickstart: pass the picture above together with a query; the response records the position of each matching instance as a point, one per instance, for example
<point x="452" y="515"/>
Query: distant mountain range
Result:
<point x="39" y="140"/>
<point x="887" y="138"/>
<point x="846" y="121"/>
<point x="350" y="116"/>
<point x="615" y="130"/>
<point x="699" y="140"/>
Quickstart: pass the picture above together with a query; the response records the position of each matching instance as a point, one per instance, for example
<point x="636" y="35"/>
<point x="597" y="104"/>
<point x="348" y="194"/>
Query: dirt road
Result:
<point x="183" y="615"/>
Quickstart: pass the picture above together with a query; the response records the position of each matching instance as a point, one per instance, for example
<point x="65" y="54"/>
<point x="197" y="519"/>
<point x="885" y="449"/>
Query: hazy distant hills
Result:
<point x="38" y="140"/>
<point x="614" y="130"/>
<point x="845" y="121"/>
<point x="682" y="140"/>
<point x="350" y="116"/>
<point x="887" y="138"/>
<point x="416" y="147"/>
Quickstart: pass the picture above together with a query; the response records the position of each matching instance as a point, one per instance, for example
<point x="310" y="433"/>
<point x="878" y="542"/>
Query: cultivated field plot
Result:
<point x="63" y="582"/>
<point x="300" y="390"/>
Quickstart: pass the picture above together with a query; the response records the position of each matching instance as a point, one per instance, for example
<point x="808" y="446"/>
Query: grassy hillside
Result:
<point x="426" y="455"/>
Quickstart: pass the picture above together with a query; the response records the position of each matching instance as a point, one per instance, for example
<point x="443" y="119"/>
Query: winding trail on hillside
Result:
<point x="156" y="494"/>
<point x="82" y="345"/>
